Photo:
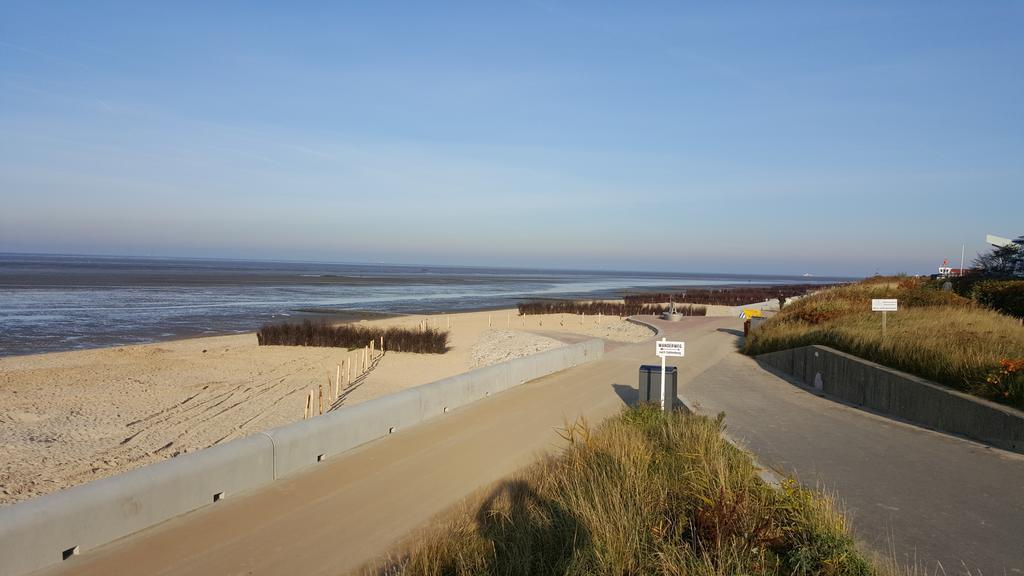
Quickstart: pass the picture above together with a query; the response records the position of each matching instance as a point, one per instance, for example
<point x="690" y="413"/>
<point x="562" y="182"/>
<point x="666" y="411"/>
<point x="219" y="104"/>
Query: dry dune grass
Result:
<point x="606" y="308"/>
<point x="936" y="335"/>
<point x="644" y="493"/>
<point x="424" y="341"/>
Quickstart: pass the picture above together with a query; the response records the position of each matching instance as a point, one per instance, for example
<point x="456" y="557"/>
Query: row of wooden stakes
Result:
<point x="349" y="372"/>
<point x="425" y="323"/>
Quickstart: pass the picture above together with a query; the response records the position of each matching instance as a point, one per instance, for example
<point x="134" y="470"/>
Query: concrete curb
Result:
<point x="890" y="392"/>
<point x="644" y="324"/>
<point x="49" y="529"/>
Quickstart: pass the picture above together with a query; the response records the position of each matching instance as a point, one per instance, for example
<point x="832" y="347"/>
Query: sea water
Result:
<point x="53" y="303"/>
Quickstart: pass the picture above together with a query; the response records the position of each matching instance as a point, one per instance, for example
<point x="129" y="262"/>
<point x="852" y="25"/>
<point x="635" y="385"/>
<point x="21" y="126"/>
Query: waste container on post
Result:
<point x="650" y="385"/>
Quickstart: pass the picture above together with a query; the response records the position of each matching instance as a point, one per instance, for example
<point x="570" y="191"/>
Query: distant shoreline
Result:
<point x="60" y="303"/>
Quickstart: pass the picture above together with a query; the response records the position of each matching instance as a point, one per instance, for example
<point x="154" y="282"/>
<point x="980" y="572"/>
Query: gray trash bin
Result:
<point x="650" y="384"/>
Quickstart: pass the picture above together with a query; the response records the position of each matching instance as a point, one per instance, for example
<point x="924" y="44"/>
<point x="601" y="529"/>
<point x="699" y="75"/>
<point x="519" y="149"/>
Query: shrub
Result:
<point x="735" y="296"/>
<point x="1006" y="382"/>
<point x="308" y="333"/>
<point x="605" y="308"/>
<point x="1004" y="296"/>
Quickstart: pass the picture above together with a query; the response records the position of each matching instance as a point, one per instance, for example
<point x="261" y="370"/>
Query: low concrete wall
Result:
<point x="40" y="532"/>
<point x="902" y="395"/>
<point x="303" y="444"/>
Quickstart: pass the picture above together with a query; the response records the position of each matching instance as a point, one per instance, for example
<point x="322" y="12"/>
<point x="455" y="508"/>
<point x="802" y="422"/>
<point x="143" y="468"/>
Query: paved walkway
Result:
<point x="954" y="499"/>
<point x="353" y="508"/>
<point x="924" y="495"/>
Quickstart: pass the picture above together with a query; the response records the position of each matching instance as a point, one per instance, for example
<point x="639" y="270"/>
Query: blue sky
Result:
<point x="764" y="137"/>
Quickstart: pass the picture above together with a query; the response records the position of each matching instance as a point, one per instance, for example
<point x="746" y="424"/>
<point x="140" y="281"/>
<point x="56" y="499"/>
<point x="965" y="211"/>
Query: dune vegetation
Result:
<point x="734" y="296"/>
<point x="594" y="308"/>
<point x="936" y="334"/>
<point x="643" y="493"/>
<point x="309" y="333"/>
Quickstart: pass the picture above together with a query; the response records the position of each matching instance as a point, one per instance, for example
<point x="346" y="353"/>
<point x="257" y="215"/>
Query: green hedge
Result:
<point x="1003" y="296"/>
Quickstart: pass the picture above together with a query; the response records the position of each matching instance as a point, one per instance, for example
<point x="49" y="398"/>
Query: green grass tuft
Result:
<point x="644" y="493"/>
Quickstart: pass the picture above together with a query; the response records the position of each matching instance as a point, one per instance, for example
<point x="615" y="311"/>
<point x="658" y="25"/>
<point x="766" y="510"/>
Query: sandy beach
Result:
<point x="71" y="417"/>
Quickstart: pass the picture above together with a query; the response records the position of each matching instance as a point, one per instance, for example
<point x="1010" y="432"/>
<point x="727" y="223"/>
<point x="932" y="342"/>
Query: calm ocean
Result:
<point x="51" y="303"/>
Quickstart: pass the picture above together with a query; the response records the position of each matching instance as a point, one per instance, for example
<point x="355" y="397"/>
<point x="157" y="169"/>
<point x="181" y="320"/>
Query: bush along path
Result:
<point x="644" y="493"/>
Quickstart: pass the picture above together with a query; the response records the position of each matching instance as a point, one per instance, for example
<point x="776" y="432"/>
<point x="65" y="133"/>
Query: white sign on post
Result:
<point x="665" y="349"/>
<point x="883" y="305"/>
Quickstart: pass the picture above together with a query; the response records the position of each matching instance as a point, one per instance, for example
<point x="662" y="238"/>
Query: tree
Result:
<point x="1002" y="261"/>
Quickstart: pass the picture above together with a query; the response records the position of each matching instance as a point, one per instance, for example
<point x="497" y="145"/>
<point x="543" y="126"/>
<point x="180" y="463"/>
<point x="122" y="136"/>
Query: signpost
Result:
<point x="883" y="305"/>
<point x="665" y="349"/>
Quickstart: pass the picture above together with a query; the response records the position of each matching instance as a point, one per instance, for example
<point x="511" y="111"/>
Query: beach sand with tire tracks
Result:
<point x="67" y="418"/>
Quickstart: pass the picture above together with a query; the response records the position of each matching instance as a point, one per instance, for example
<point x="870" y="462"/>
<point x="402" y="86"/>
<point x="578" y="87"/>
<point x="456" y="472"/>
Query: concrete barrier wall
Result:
<point x="902" y="395"/>
<point x="41" y="531"/>
<point x="303" y="444"/>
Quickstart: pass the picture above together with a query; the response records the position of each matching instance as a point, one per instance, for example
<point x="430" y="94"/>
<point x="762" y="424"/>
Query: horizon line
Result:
<point x="411" y="265"/>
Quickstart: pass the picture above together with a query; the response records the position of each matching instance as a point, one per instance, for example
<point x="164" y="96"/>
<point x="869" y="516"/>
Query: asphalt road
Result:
<point x="944" y="503"/>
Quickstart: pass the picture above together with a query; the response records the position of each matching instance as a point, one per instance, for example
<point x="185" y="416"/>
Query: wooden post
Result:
<point x="449" y="322"/>
<point x="330" y="389"/>
<point x="381" y="345"/>
<point x="488" y="320"/>
<point x="321" y="399"/>
<point x="337" y="381"/>
<point x="581" y="318"/>
<point x="309" y="404"/>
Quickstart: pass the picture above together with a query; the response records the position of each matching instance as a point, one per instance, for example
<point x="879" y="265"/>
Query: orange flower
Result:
<point x="1010" y="366"/>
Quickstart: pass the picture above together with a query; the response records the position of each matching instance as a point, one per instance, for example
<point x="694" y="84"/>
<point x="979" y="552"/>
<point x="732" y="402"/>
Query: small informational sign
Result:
<point x="883" y="304"/>
<point x="666" y="348"/>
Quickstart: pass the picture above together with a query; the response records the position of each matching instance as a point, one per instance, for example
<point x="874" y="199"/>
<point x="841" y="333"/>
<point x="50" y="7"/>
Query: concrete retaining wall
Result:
<point x="39" y="532"/>
<point x="902" y="395"/>
<point x="42" y="531"/>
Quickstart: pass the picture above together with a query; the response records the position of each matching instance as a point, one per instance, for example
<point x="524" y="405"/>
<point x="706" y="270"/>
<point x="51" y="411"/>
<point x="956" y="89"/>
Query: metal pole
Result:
<point x="663" y="379"/>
